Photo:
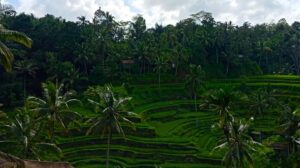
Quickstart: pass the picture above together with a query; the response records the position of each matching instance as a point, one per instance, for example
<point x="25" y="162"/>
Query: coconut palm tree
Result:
<point x="221" y="100"/>
<point x="160" y="66"/>
<point x="290" y="127"/>
<point x="258" y="102"/>
<point x="110" y="114"/>
<point x="23" y="135"/>
<point x="7" y="57"/>
<point x="238" y="147"/>
<point x="71" y="78"/>
<point x="194" y="81"/>
<point x="26" y="68"/>
<point x="261" y="100"/>
<point x="54" y="106"/>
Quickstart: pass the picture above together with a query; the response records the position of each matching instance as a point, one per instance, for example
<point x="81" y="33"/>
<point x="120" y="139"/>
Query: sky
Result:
<point x="166" y="11"/>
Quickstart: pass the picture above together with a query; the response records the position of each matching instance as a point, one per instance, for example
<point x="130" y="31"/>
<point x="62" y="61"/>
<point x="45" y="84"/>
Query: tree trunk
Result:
<point x="85" y="68"/>
<point x="51" y="130"/>
<point x="195" y="100"/>
<point x="159" y="79"/>
<point x="103" y="59"/>
<point x="267" y="64"/>
<point x="226" y="132"/>
<point x="24" y="86"/>
<point x="144" y="67"/>
<point x="217" y="56"/>
<point x="176" y="70"/>
<point x="227" y="68"/>
<point x="196" y="109"/>
<point x="108" y="147"/>
<point x="141" y="67"/>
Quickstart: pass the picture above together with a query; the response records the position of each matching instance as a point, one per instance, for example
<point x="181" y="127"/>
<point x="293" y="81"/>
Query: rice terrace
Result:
<point x="149" y="84"/>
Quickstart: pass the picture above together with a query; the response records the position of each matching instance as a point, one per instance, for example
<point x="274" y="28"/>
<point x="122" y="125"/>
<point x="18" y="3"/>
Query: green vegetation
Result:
<point x="186" y="95"/>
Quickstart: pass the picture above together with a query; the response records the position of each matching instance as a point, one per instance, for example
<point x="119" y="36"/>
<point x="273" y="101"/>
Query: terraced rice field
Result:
<point x="171" y="134"/>
<point x="168" y="135"/>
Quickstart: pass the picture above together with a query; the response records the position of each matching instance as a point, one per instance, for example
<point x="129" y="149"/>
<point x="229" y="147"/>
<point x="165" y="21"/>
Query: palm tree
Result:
<point x="71" y="78"/>
<point x="9" y="35"/>
<point x="24" y="138"/>
<point x="54" y="106"/>
<point x="160" y="65"/>
<point x="26" y="68"/>
<point x="264" y="48"/>
<point x="82" y="21"/>
<point x="290" y="127"/>
<point x="221" y="100"/>
<point x="110" y="114"/>
<point x="260" y="101"/>
<point x="180" y="58"/>
<point x="194" y="81"/>
<point x="239" y="146"/>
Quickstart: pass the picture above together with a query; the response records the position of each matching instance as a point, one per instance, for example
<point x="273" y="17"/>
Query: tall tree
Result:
<point x="261" y="100"/>
<point x="221" y="101"/>
<point x="195" y="81"/>
<point x="27" y="69"/>
<point x="110" y="113"/>
<point x="104" y="29"/>
<point x="239" y="146"/>
<point x="161" y="65"/>
<point x="54" y="106"/>
<point x="290" y="126"/>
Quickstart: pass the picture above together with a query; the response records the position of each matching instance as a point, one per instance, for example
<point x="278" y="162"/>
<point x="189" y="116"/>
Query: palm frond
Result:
<point x="17" y="37"/>
<point x="6" y="58"/>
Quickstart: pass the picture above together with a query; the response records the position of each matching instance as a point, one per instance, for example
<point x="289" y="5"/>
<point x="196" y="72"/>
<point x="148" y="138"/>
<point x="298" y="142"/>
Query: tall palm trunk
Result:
<point x="217" y="55"/>
<point x="227" y="68"/>
<point x="176" y="70"/>
<point x="24" y="86"/>
<point x="259" y="61"/>
<point x="226" y="132"/>
<point x="159" y="78"/>
<point x="144" y="66"/>
<point x="85" y="67"/>
<point x="103" y="59"/>
<point x="224" y="121"/>
<point x="176" y="73"/>
<point x="108" y="147"/>
<point x="196" y="109"/>
<point x="51" y="129"/>
<point x="267" y="63"/>
<point x="195" y="101"/>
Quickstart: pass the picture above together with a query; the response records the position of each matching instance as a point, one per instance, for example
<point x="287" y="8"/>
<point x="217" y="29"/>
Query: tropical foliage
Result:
<point x="168" y="70"/>
<point x="239" y="146"/>
<point x="54" y="106"/>
<point x="110" y="115"/>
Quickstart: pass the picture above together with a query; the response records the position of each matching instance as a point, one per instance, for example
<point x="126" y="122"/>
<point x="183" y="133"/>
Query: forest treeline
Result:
<point x="81" y="53"/>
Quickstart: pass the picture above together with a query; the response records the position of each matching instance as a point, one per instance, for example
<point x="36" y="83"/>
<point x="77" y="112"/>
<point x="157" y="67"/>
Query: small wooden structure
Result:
<point x="127" y="64"/>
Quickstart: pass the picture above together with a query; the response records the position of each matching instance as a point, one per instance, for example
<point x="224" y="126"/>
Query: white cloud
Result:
<point x="71" y="9"/>
<point x="168" y="11"/>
